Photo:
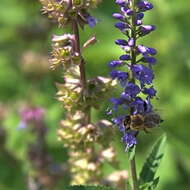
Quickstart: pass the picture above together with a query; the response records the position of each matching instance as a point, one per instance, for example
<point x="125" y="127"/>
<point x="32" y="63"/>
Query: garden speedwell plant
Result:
<point x="132" y="112"/>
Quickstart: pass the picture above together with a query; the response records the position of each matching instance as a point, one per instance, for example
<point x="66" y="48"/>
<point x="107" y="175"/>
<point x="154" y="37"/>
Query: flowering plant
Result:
<point x="137" y="82"/>
<point x="132" y="112"/>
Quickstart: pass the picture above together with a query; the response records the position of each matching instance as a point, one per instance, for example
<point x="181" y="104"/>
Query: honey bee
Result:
<point x="144" y="122"/>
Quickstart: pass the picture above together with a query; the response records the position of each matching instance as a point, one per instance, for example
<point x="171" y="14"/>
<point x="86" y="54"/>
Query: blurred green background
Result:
<point x="24" y="79"/>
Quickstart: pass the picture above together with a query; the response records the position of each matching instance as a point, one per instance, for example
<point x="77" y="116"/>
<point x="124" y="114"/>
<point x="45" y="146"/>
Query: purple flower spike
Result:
<point x="136" y="94"/>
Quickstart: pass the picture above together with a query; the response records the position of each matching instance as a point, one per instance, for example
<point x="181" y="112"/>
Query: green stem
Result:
<point x="134" y="174"/>
<point x="133" y="59"/>
<point x="134" y="36"/>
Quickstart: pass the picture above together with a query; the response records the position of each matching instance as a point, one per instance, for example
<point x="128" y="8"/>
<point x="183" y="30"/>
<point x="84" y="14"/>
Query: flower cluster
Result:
<point x="137" y="81"/>
<point x="77" y="93"/>
<point x="63" y="51"/>
<point x="40" y="161"/>
<point x="63" y="11"/>
<point x="31" y="115"/>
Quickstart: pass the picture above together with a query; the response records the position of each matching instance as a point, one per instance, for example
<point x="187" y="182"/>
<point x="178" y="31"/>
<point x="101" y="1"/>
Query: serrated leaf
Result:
<point x="151" y="185"/>
<point x="147" y="174"/>
<point x="155" y="183"/>
<point x="81" y="187"/>
<point x="144" y="186"/>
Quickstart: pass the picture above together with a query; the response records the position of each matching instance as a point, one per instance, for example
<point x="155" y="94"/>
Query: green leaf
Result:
<point x="150" y="186"/>
<point x="80" y="187"/>
<point x="147" y="174"/>
<point x="155" y="183"/>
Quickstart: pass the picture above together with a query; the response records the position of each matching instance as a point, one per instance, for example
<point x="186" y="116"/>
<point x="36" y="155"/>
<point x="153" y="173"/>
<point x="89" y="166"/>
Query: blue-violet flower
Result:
<point x="138" y="80"/>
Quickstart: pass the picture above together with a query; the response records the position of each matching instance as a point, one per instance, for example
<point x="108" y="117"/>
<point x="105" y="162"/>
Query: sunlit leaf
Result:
<point x="147" y="174"/>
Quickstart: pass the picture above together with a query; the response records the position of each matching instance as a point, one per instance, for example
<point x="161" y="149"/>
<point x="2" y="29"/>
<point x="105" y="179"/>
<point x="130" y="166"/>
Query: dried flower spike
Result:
<point x="63" y="11"/>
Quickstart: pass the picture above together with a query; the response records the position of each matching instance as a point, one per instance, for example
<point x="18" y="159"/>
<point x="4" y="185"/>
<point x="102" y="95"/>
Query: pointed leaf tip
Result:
<point x="150" y="167"/>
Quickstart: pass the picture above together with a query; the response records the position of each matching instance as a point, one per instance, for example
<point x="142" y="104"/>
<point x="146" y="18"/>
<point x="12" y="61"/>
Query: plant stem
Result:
<point x="78" y="50"/>
<point x="133" y="61"/>
<point x="134" y="36"/>
<point x="82" y="70"/>
<point x="134" y="174"/>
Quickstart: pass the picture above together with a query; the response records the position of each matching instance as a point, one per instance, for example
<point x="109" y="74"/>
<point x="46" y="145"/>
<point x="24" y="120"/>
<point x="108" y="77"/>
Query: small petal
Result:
<point x="127" y="11"/>
<point x="92" y="21"/>
<point x="151" y="92"/>
<point x="143" y="74"/>
<point x="121" y="76"/>
<point x="120" y="2"/>
<point x="138" y="22"/>
<point x="115" y="63"/>
<point x="132" y="89"/>
<point x="140" y="16"/>
<point x="146" y="29"/>
<point x="121" y="25"/>
<point x="118" y="16"/>
<point x="129" y="139"/>
<point x="121" y="42"/>
<point x="125" y="57"/>
<point x="138" y="106"/>
<point x="144" y="5"/>
<point x="146" y="50"/>
<point x="131" y="42"/>
<point x="149" y="59"/>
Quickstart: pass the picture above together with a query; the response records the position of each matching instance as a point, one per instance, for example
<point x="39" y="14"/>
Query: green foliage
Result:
<point x="23" y="28"/>
<point x="148" y="172"/>
<point x="89" y="188"/>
